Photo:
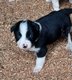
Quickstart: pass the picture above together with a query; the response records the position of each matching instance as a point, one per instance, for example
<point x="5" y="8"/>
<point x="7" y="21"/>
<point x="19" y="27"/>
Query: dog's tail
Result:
<point x="67" y="11"/>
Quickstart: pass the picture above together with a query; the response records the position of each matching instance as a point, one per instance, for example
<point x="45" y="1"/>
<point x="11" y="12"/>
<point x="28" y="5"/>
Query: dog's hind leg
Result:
<point x="71" y="29"/>
<point x="55" y="5"/>
<point x="70" y="1"/>
<point x="71" y="22"/>
<point x="69" y="44"/>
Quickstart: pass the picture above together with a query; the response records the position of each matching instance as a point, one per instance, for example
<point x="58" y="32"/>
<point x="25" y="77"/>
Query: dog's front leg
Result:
<point x="40" y="60"/>
<point x="39" y="64"/>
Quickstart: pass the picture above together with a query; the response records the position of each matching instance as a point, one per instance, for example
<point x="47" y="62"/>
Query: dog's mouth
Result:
<point x="24" y="46"/>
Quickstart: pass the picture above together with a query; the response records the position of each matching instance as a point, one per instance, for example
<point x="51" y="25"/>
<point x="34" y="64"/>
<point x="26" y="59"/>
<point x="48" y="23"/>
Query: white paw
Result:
<point x="37" y="69"/>
<point x="39" y="64"/>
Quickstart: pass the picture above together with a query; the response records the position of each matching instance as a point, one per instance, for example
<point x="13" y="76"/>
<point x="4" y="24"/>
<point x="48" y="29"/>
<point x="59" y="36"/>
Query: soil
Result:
<point x="17" y="64"/>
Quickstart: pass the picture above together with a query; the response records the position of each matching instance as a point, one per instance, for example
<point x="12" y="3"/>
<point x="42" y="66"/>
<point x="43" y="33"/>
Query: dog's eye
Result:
<point x="19" y="35"/>
<point x="28" y="35"/>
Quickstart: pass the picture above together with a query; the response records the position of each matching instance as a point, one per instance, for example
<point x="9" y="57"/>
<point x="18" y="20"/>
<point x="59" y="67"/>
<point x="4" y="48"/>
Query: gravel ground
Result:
<point x="16" y="64"/>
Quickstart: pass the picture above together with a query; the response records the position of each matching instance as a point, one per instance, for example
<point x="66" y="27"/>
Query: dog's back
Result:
<point x="56" y="22"/>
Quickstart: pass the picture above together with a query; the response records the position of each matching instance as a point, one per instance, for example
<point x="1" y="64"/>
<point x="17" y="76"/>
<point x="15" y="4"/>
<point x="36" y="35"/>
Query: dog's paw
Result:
<point x="37" y="70"/>
<point x="39" y="64"/>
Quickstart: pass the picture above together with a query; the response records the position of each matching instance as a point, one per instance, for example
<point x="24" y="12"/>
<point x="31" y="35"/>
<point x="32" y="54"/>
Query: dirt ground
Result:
<point x="17" y="64"/>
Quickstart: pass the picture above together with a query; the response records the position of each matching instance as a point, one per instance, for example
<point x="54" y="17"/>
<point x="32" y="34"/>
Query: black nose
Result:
<point x="24" y="46"/>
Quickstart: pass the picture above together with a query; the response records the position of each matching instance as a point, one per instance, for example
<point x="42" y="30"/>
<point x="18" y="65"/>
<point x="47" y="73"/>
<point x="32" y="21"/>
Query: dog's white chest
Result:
<point x="34" y="49"/>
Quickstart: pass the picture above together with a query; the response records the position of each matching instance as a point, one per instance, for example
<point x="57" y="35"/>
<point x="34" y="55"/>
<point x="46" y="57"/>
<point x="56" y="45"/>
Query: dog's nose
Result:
<point x="24" y="46"/>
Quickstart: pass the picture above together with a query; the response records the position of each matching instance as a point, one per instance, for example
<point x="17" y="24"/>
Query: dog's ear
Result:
<point x="34" y="25"/>
<point x="14" y="27"/>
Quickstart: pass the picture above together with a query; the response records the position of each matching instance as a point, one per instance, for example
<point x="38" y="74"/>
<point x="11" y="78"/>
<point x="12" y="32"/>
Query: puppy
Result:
<point x="36" y="35"/>
<point x="55" y="4"/>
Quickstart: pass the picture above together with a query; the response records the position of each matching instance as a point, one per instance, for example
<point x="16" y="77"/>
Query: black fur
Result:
<point x="33" y="30"/>
<point x="15" y="29"/>
<point x="53" y="25"/>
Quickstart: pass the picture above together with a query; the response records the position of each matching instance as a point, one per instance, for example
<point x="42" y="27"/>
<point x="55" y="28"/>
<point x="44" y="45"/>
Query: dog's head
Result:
<point x="26" y="33"/>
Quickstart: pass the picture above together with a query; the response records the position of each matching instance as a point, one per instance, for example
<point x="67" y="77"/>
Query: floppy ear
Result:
<point x="34" y="25"/>
<point x="16" y="25"/>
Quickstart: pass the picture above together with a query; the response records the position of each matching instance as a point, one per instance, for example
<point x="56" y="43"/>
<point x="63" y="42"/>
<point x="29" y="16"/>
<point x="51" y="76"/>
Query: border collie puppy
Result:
<point x="55" y="4"/>
<point x="36" y="35"/>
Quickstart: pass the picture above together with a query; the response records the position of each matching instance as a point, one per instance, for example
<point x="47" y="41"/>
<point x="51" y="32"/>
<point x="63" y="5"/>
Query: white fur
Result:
<point x="39" y="64"/>
<point x="34" y="49"/>
<point x="39" y="26"/>
<point x="48" y="0"/>
<point x="69" y="44"/>
<point x="55" y="4"/>
<point x="23" y="40"/>
<point x="70" y="1"/>
<point x="71" y="29"/>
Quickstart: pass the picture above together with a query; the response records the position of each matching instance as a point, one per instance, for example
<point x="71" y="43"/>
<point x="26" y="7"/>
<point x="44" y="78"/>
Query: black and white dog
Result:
<point x="36" y="35"/>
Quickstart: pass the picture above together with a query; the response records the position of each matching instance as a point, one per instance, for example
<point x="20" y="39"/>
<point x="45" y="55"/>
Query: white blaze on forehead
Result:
<point x="23" y="29"/>
<point x="23" y="40"/>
